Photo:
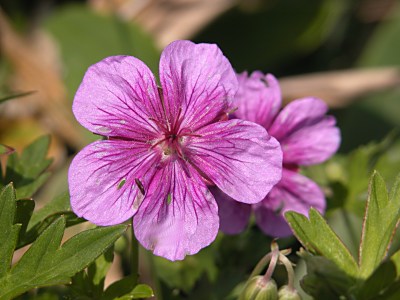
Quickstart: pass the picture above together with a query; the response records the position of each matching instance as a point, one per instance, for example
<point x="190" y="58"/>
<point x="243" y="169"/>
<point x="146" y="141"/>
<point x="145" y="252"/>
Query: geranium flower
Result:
<point x="164" y="145"/>
<point x="307" y="136"/>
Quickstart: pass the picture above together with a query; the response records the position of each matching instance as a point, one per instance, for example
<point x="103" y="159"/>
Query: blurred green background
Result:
<point x="283" y="37"/>
<point x="47" y="45"/>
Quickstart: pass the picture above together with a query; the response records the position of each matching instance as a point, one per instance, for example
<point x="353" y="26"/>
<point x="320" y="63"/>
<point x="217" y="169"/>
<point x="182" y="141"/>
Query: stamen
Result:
<point x="181" y="133"/>
<point x="191" y="134"/>
<point x="232" y="110"/>
<point x="158" y="143"/>
<point x="160" y="94"/>
<point x="177" y="120"/>
<point x="159" y="124"/>
<point x="180" y="153"/>
<point x="139" y="185"/>
<point x="225" y="116"/>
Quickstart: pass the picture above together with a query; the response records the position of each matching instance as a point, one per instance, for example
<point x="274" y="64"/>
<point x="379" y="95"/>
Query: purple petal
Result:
<point x="294" y="192"/>
<point x="306" y="134"/>
<point x="233" y="215"/>
<point x="102" y="180"/>
<point x="258" y="98"/>
<point x="198" y="83"/>
<point x="239" y="157"/>
<point x="179" y="215"/>
<point x="117" y="97"/>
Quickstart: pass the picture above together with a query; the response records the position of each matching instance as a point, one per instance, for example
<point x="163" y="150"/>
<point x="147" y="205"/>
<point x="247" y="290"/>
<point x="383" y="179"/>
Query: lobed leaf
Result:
<point x="358" y="165"/>
<point x="97" y="271"/>
<point x="380" y="280"/>
<point x="42" y="218"/>
<point x="45" y="263"/>
<point x="90" y="283"/>
<point x="391" y="293"/>
<point x="59" y="204"/>
<point x="317" y="237"/>
<point x="8" y="231"/>
<point x="395" y="258"/>
<point x="140" y="291"/>
<point x="27" y="172"/>
<point x="186" y="273"/>
<point x="380" y="222"/>
<point x="24" y="212"/>
<point x="324" y="280"/>
<point x="124" y="286"/>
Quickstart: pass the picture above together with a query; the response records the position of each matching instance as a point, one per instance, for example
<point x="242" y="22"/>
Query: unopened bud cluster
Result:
<point x="257" y="288"/>
<point x="263" y="287"/>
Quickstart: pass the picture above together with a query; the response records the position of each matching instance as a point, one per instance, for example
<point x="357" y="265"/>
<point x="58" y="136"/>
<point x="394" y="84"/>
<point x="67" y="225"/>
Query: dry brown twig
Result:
<point x="39" y="69"/>
<point x="36" y="67"/>
<point x="339" y="88"/>
<point x="167" y="20"/>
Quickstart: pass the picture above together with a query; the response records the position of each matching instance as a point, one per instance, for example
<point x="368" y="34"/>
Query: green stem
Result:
<point x="272" y="265"/>
<point x="134" y="257"/>
<point x="261" y="265"/>
<point x="289" y="269"/>
<point x="265" y="260"/>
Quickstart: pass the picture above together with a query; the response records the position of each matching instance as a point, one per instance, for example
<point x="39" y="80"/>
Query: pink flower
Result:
<point x="164" y="145"/>
<point x="307" y="137"/>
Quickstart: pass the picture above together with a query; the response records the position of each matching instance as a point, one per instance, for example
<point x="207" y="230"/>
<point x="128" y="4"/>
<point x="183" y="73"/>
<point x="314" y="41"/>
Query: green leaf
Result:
<point x="378" y="282"/>
<point x="382" y="50"/>
<point x="324" y="280"/>
<point x="25" y="209"/>
<point x="380" y="221"/>
<point x="348" y="227"/>
<point x="284" y="38"/>
<point x="186" y="273"/>
<point x="317" y="237"/>
<point x="388" y="164"/>
<point x="90" y="283"/>
<point x="122" y="290"/>
<point x="383" y="47"/>
<point x="8" y="231"/>
<point x="45" y="263"/>
<point x="395" y="258"/>
<point x="358" y="176"/>
<point x="59" y="204"/>
<point x="140" y="291"/>
<point x="19" y="95"/>
<point x="97" y="271"/>
<point x="27" y="172"/>
<point x="42" y="218"/>
<point x="85" y="38"/>
<point x="391" y="293"/>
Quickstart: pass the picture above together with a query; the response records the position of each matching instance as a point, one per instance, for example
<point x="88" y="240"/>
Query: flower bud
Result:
<point x="257" y="288"/>
<point x="286" y="293"/>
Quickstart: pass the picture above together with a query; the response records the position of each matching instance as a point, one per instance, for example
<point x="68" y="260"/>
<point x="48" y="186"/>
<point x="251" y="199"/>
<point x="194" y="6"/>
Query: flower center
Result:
<point x="173" y="136"/>
<point x="171" y="144"/>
